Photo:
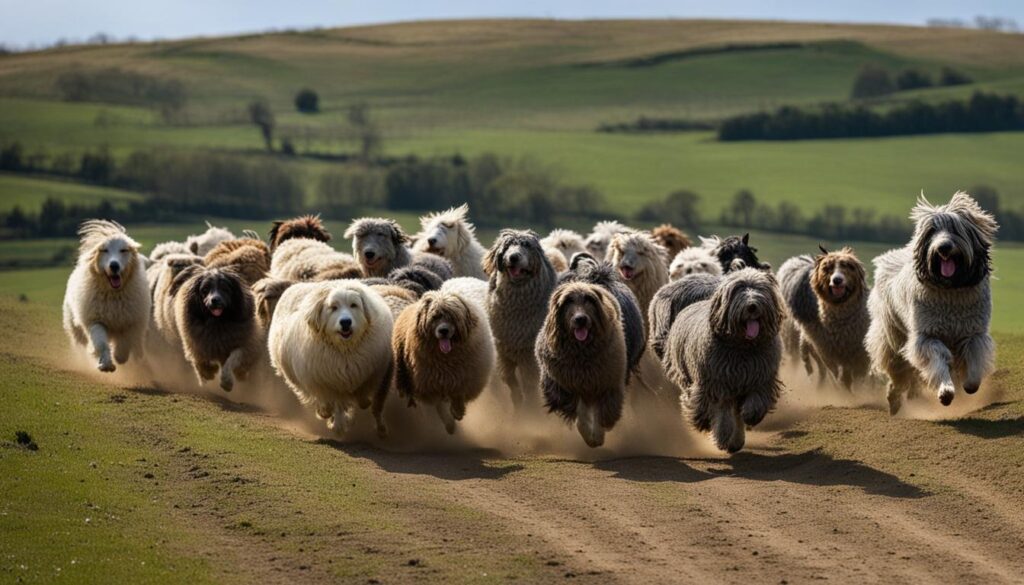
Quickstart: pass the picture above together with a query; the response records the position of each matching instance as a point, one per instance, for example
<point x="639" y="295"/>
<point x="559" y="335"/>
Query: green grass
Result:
<point x="29" y="193"/>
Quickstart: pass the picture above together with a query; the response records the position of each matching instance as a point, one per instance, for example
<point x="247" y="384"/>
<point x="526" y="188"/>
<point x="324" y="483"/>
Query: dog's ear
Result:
<point x="746" y="238"/>
<point x="494" y="260"/>
<point x="719" y="310"/>
<point x="468" y="320"/>
<point x="194" y="248"/>
<point x="275" y="229"/>
<point x="398" y="236"/>
<point x="424" y="313"/>
<point x="314" y="309"/>
<point x="823" y="250"/>
<point x="353" y="229"/>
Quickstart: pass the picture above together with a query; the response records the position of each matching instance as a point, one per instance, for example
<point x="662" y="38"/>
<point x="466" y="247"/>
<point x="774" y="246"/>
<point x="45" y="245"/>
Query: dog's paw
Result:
<point x="227" y="383"/>
<point x="449" y="426"/>
<point x="946" y="394"/>
<point x="972" y="387"/>
<point x="895" y="403"/>
<point x="382" y="430"/>
<point x="106" y="366"/>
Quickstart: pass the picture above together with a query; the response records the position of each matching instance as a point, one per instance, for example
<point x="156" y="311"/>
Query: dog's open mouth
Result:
<point x="115" y="281"/>
<point x="346" y="334"/>
<point x="516" y="271"/>
<point x="581" y="333"/>
<point x="753" y="329"/>
<point x="444" y="344"/>
<point x="838" y="291"/>
<point x="372" y="263"/>
<point x="947" y="266"/>
<point x="627" y="272"/>
<point x="216" y="311"/>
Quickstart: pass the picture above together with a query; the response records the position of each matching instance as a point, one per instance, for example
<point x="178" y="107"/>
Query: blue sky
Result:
<point x="42" y="21"/>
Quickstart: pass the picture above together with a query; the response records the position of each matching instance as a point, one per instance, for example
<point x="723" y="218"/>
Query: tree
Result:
<point x="912" y="79"/>
<point x="872" y="81"/>
<point x="950" y="76"/>
<point x="263" y="118"/>
<point x="367" y="133"/>
<point x="742" y="208"/>
<point x="307" y="101"/>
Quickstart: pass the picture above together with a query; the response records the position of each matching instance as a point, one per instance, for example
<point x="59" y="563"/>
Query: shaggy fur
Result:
<point x="582" y="355"/>
<point x="107" y="298"/>
<point x="566" y="242"/>
<point x="694" y="260"/>
<point x="450" y="235"/>
<point x="641" y="263"/>
<point x="395" y="297"/>
<point x="598" y="241"/>
<point x="932" y="303"/>
<point x="826" y="298"/>
<point x="416" y="279"/>
<point x="163" y="285"/>
<point x="444" y="354"/>
<point x="302" y="259"/>
<point x="436" y="264"/>
<point x="378" y="245"/>
<point x="520" y="285"/>
<point x="670" y="300"/>
<point x="164" y="249"/>
<point x="201" y="244"/>
<point x="557" y="260"/>
<point x="307" y="227"/>
<point x="471" y="289"/>
<point x="248" y="256"/>
<point x="331" y="342"/>
<point x="735" y="253"/>
<point x="673" y="239"/>
<point x="724" y="354"/>
<point x="266" y="293"/>
<point x="585" y="268"/>
<point x="216" y="319"/>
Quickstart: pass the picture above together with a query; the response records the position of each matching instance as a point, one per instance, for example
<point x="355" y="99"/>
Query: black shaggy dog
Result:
<point x="585" y="268"/>
<point x="735" y="252"/>
<point x="216" y="321"/>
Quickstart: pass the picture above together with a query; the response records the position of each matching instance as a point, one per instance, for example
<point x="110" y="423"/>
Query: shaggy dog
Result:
<point x="163" y="285"/>
<point x="520" y="285"/>
<point x="444" y="354"/>
<point x="436" y="264"/>
<point x="471" y="289"/>
<point x="724" y="354"/>
<point x="671" y="299"/>
<point x="107" y="298"/>
<point x="556" y="259"/>
<point x="250" y="258"/>
<point x="216" y="320"/>
<point x="932" y="302"/>
<point x="671" y="238"/>
<point x="598" y="241"/>
<point x="302" y="259"/>
<point x="566" y="242"/>
<point x="585" y="268"/>
<point x="414" y="278"/>
<point x="379" y="245"/>
<point x="395" y="297"/>
<point x="201" y="244"/>
<point x="450" y="235"/>
<point x="641" y="263"/>
<point x="266" y="293"/>
<point x="162" y="250"/>
<point x="306" y="227"/>
<point x="331" y="342"/>
<point x="735" y="253"/>
<point x="695" y="260"/>
<point x="826" y="296"/>
<point x="582" y="355"/>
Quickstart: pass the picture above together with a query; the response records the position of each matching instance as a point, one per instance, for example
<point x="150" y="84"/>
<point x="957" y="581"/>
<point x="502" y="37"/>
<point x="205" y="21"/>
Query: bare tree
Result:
<point x="367" y="133"/>
<point x="263" y="118"/>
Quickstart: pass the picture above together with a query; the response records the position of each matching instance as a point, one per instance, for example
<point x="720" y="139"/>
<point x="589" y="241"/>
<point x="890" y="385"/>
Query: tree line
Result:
<point x="982" y="112"/>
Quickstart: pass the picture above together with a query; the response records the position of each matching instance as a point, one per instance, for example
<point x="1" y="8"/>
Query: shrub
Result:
<point x="912" y="79"/>
<point x="307" y="101"/>
<point x="871" y="82"/>
<point x="950" y="76"/>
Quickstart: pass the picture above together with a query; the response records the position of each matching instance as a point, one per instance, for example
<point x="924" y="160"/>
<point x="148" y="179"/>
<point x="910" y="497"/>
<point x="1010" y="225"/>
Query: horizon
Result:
<point x="53" y="22"/>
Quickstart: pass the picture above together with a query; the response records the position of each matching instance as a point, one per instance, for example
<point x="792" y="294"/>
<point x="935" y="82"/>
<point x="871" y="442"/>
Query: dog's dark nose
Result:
<point x="345" y="323"/>
<point x="946" y="248"/>
<point x="216" y="302"/>
<point x="580" y="321"/>
<point x="370" y="254"/>
<point x="514" y="257"/>
<point x="444" y="331"/>
<point x="432" y="241"/>
<point x="115" y="267"/>
<point x="752" y="308"/>
<point x="837" y="280"/>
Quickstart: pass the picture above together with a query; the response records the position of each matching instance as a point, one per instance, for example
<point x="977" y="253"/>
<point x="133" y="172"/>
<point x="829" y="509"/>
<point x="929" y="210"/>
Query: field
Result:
<point x="144" y="476"/>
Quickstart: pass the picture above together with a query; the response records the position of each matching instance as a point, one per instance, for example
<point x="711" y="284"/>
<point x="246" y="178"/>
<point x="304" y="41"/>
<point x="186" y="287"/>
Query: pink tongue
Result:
<point x="627" y="273"/>
<point x="217" y="312"/>
<point x="515" y="271"/>
<point x="115" y="281"/>
<point x="445" y="345"/>
<point x="837" y="291"/>
<point x="581" y="333"/>
<point x="753" y="328"/>
<point x="948" y="268"/>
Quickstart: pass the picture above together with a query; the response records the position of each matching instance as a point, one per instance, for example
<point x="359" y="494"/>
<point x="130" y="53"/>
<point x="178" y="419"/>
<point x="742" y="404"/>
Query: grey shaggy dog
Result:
<point x="520" y="284"/>
<point x="670" y="300"/>
<point x="582" y="355"/>
<point x="724" y="354"/>
<point x="932" y="303"/>
<point x="379" y="245"/>
<point x="826" y="298"/>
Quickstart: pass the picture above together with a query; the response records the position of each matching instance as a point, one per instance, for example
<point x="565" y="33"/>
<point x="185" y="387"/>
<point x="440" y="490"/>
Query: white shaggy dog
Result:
<point x="566" y="242"/>
<point x="107" y="299"/>
<point x="598" y="241"/>
<point x="694" y="260"/>
<point x="201" y="244"/>
<point x="472" y="289"/>
<point x="331" y="342"/>
<point x="450" y="235"/>
<point x="932" y="303"/>
<point x="303" y="259"/>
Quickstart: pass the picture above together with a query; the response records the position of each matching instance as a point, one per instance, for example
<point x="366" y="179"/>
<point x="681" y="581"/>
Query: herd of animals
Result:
<point x="573" y="321"/>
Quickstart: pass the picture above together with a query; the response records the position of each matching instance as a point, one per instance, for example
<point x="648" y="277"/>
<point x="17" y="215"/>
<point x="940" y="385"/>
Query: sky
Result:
<point x="28" y="22"/>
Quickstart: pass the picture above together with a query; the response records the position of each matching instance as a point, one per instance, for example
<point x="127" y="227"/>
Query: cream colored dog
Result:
<point x="331" y="341"/>
<point x="107" y="299"/>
